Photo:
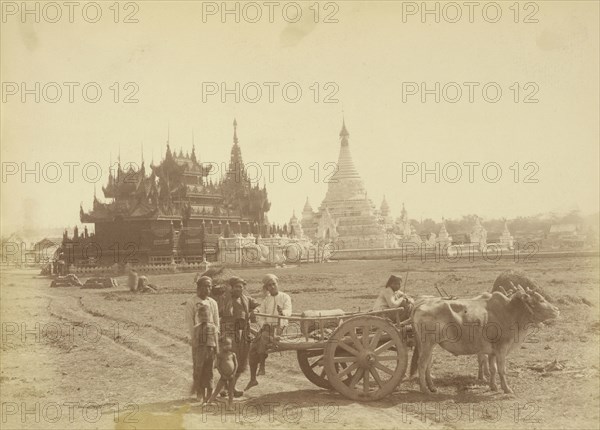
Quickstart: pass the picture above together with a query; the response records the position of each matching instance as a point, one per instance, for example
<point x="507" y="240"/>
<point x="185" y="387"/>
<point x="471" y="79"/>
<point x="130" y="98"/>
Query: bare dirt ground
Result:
<point x="113" y="359"/>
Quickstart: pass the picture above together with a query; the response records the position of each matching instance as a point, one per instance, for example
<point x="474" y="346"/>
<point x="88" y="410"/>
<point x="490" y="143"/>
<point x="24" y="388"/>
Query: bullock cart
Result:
<point x="362" y="355"/>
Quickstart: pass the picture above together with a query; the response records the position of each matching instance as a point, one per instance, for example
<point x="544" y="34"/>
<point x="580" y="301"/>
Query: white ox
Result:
<point x="489" y="324"/>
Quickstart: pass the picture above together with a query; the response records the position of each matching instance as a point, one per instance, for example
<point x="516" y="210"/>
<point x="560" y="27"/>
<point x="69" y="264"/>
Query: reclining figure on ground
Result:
<point x="69" y="280"/>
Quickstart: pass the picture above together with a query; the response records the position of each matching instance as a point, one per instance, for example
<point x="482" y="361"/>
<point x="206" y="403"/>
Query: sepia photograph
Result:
<point x="305" y="214"/>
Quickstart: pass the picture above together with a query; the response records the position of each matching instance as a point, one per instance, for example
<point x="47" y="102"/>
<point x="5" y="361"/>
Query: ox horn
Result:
<point x="502" y="290"/>
<point x="520" y="289"/>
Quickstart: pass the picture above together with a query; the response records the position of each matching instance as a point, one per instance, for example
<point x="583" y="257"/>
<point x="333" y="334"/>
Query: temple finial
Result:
<point x="193" y="155"/>
<point x="235" y="139"/>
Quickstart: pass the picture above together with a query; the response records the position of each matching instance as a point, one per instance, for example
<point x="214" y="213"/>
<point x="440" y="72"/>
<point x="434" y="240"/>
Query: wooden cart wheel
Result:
<point x="312" y="365"/>
<point x="375" y="357"/>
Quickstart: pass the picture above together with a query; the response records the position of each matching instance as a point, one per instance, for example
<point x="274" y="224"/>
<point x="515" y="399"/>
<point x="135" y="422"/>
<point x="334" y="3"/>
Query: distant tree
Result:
<point x="452" y="226"/>
<point x="428" y="226"/>
<point x="495" y="225"/>
<point x="573" y="217"/>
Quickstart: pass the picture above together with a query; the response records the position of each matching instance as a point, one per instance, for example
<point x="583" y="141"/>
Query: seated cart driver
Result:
<point x="391" y="297"/>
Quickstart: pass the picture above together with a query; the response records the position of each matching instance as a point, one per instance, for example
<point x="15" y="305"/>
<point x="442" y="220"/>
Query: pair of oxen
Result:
<point x="489" y="326"/>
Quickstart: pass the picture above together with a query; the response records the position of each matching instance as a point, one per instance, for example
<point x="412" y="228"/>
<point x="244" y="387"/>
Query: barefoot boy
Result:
<point x="206" y="335"/>
<point x="227" y="366"/>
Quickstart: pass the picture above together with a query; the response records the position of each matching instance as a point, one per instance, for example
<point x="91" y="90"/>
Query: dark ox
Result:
<point x="506" y="283"/>
<point x="489" y="324"/>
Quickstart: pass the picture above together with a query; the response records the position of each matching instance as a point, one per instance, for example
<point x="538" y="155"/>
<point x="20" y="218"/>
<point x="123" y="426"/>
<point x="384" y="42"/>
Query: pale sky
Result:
<point x="368" y="54"/>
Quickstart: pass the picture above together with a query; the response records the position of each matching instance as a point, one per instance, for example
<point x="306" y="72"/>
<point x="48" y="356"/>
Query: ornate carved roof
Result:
<point x="175" y="186"/>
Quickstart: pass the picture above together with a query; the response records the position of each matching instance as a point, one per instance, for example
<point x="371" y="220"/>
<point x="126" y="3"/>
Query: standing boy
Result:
<point x="203" y="288"/>
<point x="227" y="365"/>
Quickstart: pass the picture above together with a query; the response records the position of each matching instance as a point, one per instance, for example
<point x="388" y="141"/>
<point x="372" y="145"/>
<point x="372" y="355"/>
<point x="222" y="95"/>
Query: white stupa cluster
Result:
<point x="348" y="217"/>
